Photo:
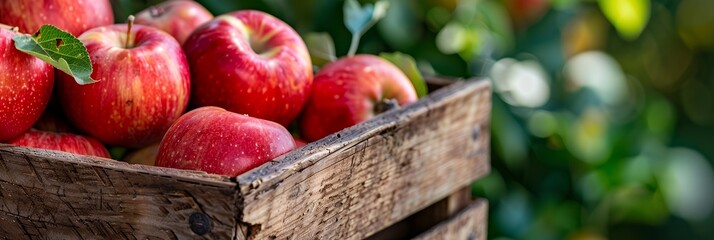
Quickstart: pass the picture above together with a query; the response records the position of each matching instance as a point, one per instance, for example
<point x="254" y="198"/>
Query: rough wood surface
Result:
<point x="54" y="195"/>
<point x="427" y="218"/>
<point x="365" y="178"/>
<point x="468" y="224"/>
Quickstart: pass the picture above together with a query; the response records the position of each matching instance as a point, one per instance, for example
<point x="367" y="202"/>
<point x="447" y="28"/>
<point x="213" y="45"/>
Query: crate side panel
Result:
<point x="53" y="195"/>
<point x="470" y="223"/>
<point x="413" y="159"/>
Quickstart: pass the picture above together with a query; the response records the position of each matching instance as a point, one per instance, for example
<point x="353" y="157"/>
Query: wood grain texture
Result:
<point x="426" y="218"/>
<point x="55" y="195"/>
<point x="468" y="224"/>
<point x="358" y="181"/>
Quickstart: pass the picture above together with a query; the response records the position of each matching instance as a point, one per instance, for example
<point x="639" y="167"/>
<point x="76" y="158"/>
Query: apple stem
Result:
<point x="353" y="45"/>
<point x="386" y="105"/>
<point x="130" y="23"/>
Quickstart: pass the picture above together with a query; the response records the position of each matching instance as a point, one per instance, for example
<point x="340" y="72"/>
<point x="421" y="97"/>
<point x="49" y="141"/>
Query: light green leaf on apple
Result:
<point x="358" y="19"/>
<point x="321" y="47"/>
<point x="59" y="48"/>
<point x="408" y="65"/>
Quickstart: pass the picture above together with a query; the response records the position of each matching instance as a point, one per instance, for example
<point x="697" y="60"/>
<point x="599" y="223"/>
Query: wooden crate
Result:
<point x="410" y="164"/>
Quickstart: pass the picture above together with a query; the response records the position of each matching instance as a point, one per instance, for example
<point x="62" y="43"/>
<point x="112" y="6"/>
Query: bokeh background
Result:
<point x="603" y="112"/>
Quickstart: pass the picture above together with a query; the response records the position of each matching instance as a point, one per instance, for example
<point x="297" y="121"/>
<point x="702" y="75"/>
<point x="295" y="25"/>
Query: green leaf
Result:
<point x="321" y="47"/>
<point x="360" y="18"/>
<point x="59" y="48"/>
<point x="407" y="64"/>
<point x="628" y="16"/>
<point x="117" y="153"/>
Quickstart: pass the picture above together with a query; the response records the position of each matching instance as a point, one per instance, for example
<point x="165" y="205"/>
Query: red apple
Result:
<point x="143" y="86"/>
<point x="352" y="90"/>
<point x="178" y="18"/>
<point x="73" y="16"/>
<point x="66" y="142"/>
<point x="217" y="141"/>
<point x="252" y="63"/>
<point x="25" y="87"/>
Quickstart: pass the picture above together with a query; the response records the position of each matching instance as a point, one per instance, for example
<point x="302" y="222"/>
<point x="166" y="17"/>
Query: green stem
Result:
<point x="354" y="45"/>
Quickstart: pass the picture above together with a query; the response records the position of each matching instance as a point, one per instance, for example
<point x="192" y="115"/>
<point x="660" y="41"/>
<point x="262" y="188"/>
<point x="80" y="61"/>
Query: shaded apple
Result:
<point x="65" y="142"/>
<point x="251" y="63"/>
<point x="217" y="141"/>
<point x="73" y="16"/>
<point x="352" y="90"/>
<point x="178" y="18"/>
<point x="25" y="87"/>
<point x="53" y="121"/>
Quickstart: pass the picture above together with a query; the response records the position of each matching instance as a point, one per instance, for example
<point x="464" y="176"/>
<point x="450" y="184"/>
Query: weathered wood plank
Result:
<point x="56" y="195"/>
<point x="469" y="224"/>
<point x="365" y="178"/>
<point x="427" y="218"/>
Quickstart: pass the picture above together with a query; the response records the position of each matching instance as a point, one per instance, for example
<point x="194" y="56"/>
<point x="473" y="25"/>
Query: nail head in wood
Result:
<point x="200" y="223"/>
<point x="472" y="236"/>
<point x="476" y="133"/>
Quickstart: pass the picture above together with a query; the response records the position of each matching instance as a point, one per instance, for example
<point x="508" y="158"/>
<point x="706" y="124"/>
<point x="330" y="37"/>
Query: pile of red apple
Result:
<point x="246" y="75"/>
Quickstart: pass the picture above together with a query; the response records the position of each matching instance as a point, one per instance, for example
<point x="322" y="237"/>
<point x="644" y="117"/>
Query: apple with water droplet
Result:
<point x="66" y="142"/>
<point x="217" y="141"/>
<point x="25" y="87"/>
<point x="73" y="16"/>
<point x="143" y="85"/>
<point x="178" y="18"/>
<point x="252" y="63"/>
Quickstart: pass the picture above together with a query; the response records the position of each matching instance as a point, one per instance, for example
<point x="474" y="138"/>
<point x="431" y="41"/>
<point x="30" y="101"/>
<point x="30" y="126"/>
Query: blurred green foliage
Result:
<point x="603" y="112"/>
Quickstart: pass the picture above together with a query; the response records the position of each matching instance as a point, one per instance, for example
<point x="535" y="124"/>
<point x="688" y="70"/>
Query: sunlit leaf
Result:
<point x="321" y="47"/>
<point x="452" y="38"/>
<point x="408" y="65"/>
<point x="688" y="184"/>
<point x="59" y="48"/>
<point x="628" y="16"/>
